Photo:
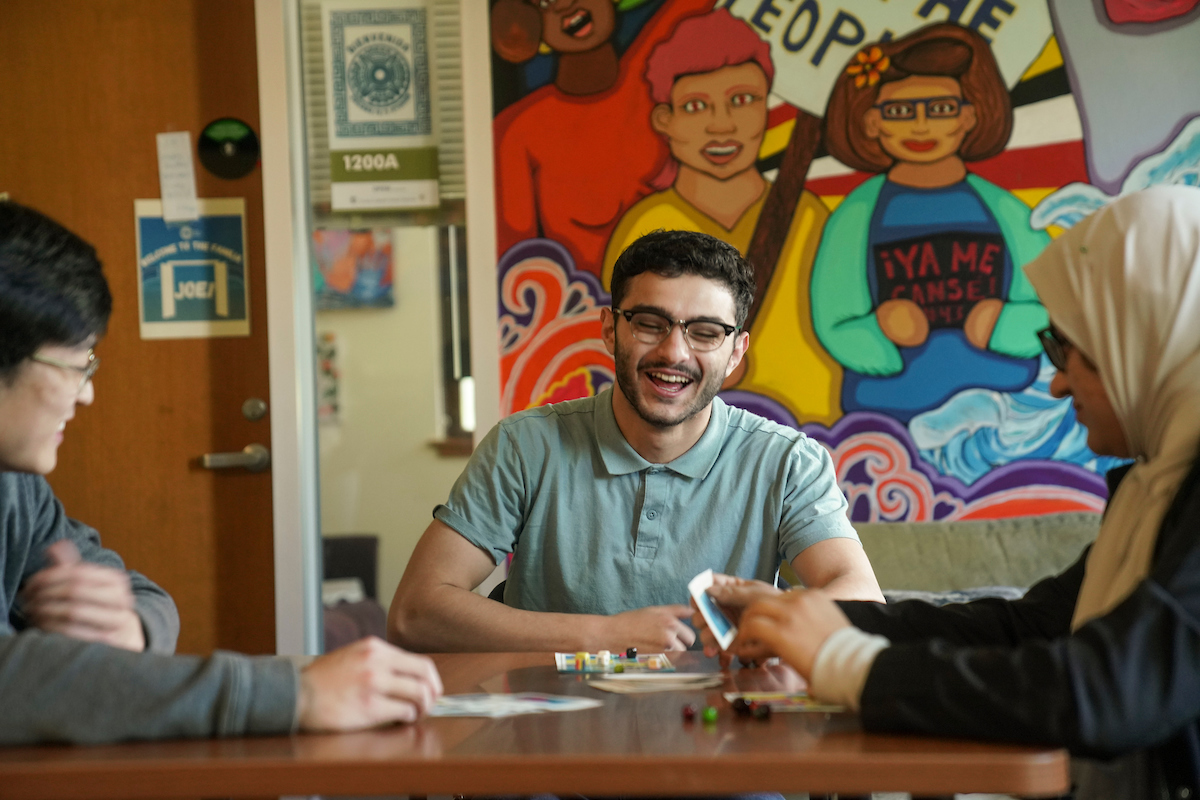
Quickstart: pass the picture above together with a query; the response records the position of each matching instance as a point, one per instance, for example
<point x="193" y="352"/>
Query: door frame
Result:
<point x="290" y="336"/>
<point x="290" y="317"/>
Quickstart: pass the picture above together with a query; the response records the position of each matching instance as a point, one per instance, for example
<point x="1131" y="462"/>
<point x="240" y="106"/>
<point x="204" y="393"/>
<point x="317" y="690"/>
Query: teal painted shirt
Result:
<point x="597" y="529"/>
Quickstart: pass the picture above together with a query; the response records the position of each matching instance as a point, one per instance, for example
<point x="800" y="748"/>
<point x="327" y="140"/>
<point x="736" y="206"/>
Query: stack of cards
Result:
<point x="639" y="683"/>
<point x="507" y="705"/>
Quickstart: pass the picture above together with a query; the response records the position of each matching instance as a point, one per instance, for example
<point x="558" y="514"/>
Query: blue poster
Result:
<point x="192" y="275"/>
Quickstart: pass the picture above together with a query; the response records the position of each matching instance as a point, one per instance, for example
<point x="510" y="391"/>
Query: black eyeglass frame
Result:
<point x="922" y="101"/>
<point x="671" y="323"/>
<point x="1055" y="345"/>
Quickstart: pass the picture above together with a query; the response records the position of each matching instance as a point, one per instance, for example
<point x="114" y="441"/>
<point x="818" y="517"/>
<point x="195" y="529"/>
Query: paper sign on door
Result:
<point x="192" y="279"/>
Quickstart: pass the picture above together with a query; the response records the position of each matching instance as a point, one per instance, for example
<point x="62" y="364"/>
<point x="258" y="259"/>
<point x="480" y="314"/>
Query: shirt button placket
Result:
<point x="649" y="530"/>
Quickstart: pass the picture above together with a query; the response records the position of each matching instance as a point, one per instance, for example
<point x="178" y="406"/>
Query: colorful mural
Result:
<point x="887" y="168"/>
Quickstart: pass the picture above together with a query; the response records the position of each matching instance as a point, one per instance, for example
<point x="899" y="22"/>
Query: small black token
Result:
<point x="761" y="711"/>
<point x="741" y="707"/>
<point x="631" y="652"/>
<point x="228" y="148"/>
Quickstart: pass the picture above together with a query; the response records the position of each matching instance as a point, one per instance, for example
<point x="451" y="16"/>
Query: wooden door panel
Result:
<point x="85" y="88"/>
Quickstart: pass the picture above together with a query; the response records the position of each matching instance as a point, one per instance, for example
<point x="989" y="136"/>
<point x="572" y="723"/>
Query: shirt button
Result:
<point x="651" y="514"/>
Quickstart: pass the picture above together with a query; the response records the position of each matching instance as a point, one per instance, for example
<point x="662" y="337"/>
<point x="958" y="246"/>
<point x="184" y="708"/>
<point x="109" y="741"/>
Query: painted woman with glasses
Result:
<point x="917" y="290"/>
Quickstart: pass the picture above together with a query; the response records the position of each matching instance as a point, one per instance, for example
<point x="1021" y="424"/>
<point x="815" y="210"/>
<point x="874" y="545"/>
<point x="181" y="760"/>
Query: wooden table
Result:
<point x="634" y="744"/>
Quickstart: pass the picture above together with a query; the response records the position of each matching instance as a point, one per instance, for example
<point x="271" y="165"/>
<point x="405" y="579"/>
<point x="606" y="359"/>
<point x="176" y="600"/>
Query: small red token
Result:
<point x="689" y="713"/>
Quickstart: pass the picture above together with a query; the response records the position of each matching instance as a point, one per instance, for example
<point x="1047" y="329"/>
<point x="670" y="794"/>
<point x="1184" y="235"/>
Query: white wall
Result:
<point x="378" y="473"/>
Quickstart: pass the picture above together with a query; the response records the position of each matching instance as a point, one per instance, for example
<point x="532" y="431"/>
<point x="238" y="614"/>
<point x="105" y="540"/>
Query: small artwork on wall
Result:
<point x="352" y="268"/>
<point x="329" y="379"/>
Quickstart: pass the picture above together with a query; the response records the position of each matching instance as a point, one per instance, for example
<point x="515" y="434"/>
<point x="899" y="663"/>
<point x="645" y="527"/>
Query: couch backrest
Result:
<point x="940" y="556"/>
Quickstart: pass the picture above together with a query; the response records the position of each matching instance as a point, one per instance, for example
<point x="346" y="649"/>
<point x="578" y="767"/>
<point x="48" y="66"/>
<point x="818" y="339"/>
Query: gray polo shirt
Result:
<point x="594" y="528"/>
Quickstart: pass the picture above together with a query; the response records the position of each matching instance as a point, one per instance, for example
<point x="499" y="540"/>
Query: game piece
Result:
<point x="582" y="663"/>
<point x="709" y="714"/>
<point x="761" y="710"/>
<point x="619" y="668"/>
<point x="605" y="657"/>
<point x="741" y="707"/>
<point x="689" y="713"/>
<point x="631" y="652"/>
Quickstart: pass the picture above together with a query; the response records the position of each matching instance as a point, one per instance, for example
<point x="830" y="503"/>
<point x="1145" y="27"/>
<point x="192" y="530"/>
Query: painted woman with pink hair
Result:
<point x="709" y="81"/>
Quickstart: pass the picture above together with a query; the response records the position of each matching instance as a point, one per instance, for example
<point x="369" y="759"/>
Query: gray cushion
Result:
<point x="942" y="556"/>
<point x="955" y="596"/>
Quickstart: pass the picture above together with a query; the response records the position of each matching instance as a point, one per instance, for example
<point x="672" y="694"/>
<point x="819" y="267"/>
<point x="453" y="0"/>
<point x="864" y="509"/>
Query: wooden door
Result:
<point x="84" y="87"/>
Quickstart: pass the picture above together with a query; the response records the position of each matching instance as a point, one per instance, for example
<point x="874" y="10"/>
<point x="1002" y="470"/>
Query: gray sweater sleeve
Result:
<point x="47" y="522"/>
<point x="57" y="689"/>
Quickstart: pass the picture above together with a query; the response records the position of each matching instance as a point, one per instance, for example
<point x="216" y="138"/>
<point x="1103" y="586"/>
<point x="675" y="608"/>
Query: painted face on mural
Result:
<point x="716" y="120"/>
<point x="669" y="383"/>
<point x="921" y="119"/>
<point x="1081" y="382"/>
<point x="36" y="407"/>
<point x="573" y="26"/>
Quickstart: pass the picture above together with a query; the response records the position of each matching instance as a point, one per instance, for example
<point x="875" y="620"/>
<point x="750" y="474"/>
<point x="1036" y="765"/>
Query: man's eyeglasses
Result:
<point x="1055" y="345"/>
<point x="947" y="107"/>
<point x="650" y="327"/>
<point x="86" y="372"/>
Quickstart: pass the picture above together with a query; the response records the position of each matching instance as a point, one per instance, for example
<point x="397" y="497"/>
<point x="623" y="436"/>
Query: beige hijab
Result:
<point x="1124" y="286"/>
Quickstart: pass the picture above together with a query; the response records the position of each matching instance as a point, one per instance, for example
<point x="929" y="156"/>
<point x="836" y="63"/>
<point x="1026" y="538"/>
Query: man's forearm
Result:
<point x="448" y="619"/>
<point x="854" y="586"/>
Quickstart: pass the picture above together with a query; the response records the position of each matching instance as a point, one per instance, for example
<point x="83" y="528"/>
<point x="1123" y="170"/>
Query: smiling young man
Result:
<point x="610" y="504"/>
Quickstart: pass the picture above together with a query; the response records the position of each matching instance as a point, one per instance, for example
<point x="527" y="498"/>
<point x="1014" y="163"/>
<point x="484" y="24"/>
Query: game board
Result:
<point x="594" y="663"/>
<point x="781" y="701"/>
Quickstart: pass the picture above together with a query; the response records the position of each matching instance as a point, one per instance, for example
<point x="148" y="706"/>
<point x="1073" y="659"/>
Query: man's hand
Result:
<point x="82" y="600"/>
<point x="792" y="626"/>
<point x="653" y="629"/>
<point x="732" y="595"/>
<point x="364" y="685"/>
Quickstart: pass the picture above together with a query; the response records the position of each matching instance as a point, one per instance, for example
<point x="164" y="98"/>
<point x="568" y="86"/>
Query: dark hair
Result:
<point x="942" y="49"/>
<point x="52" y="289"/>
<point x="674" y="253"/>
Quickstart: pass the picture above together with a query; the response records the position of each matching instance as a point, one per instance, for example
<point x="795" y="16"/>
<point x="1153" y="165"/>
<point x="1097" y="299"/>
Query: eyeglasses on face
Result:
<point x="85" y="372"/>
<point x="947" y="107"/>
<point x="650" y="327"/>
<point x="1055" y="345"/>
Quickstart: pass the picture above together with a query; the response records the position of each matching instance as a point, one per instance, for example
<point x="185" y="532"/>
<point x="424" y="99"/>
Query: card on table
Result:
<point x="669" y="682"/>
<point x="718" y="623"/>
<point x="507" y="705"/>
<point x="785" y="701"/>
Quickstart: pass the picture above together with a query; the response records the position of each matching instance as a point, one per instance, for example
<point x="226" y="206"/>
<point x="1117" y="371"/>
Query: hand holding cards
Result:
<point x="718" y="623"/>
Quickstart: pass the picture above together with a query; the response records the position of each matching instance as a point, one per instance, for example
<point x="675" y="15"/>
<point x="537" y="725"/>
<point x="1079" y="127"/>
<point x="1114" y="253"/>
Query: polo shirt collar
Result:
<point x="620" y="458"/>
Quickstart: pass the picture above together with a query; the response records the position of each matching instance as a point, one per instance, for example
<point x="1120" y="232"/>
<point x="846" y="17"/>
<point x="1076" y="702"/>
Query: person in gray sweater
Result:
<point x="85" y="646"/>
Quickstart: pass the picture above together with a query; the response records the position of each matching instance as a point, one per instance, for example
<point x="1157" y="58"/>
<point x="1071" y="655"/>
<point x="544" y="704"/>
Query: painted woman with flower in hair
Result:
<point x="917" y="289"/>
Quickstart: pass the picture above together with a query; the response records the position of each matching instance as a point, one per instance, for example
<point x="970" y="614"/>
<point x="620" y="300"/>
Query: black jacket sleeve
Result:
<point x="1014" y="671"/>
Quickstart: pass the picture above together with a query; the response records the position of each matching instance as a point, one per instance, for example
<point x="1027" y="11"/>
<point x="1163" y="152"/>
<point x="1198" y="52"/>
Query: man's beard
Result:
<point x="628" y="382"/>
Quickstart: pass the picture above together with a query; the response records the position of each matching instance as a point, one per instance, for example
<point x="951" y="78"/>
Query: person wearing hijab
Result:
<point x="1103" y="659"/>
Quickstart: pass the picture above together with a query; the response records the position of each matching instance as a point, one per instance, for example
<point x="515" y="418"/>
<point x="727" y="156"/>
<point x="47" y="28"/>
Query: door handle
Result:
<point x="253" y="458"/>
